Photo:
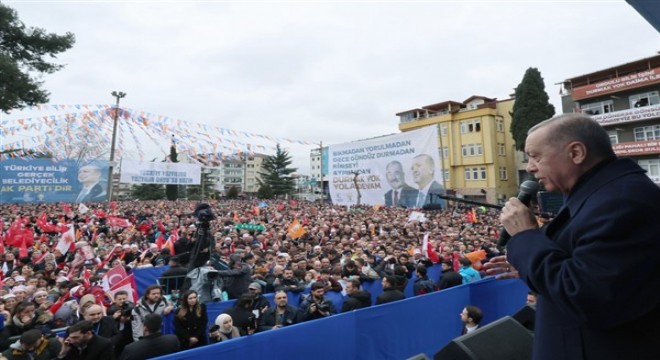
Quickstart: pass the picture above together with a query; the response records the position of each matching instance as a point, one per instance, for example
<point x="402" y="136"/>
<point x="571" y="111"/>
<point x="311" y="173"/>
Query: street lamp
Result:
<point x="118" y="95"/>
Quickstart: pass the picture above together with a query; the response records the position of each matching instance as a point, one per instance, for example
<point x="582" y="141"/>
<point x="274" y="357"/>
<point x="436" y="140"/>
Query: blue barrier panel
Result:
<point x="391" y="331"/>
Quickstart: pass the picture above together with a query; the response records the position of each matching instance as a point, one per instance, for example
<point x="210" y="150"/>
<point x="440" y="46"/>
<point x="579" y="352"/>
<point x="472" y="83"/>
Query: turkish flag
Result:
<point x="113" y="277"/>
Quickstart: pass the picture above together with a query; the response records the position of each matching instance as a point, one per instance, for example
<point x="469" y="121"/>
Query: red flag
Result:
<point x="113" y="277"/>
<point x="2" y="245"/>
<point x="468" y="217"/>
<point x="170" y="245"/>
<point x="22" y="250"/>
<point x="432" y="255"/>
<point x="115" y="221"/>
<point x="113" y="205"/>
<point x="128" y="284"/>
<point x="161" y="227"/>
<point x="66" y="208"/>
<point x="100" y="214"/>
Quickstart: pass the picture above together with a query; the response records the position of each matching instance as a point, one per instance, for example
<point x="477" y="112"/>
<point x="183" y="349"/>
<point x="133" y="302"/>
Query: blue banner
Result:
<point x="49" y="180"/>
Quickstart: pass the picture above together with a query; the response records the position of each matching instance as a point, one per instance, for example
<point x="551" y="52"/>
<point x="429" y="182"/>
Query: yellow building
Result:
<point x="476" y="148"/>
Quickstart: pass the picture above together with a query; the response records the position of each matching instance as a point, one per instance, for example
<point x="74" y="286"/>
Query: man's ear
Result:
<point x="577" y="152"/>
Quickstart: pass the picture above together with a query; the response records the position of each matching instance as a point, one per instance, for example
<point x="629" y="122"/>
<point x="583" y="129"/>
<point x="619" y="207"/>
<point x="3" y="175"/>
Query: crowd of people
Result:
<point x="46" y="286"/>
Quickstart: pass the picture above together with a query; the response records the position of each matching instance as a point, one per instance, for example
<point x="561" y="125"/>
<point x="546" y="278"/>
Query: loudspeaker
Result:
<point x="503" y="339"/>
<point x="526" y="316"/>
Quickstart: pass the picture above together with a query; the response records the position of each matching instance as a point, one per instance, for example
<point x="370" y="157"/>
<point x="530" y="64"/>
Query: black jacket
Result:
<point x="172" y="278"/>
<point x="269" y="318"/>
<point x="243" y="319"/>
<point x="325" y="304"/>
<point x="449" y="279"/>
<point x="239" y="282"/>
<point x="191" y="326"/>
<point x="98" y="348"/>
<point x="107" y="328"/>
<point x="389" y="295"/>
<point x="357" y="300"/>
<point x="150" y="346"/>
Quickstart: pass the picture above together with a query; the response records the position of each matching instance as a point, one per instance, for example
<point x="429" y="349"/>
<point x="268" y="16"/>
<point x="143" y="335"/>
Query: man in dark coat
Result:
<point x="153" y="343"/>
<point x="356" y="298"/>
<point x="104" y="326"/>
<point x="449" y="277"/>
<point x="81" y="343"/>
<point x="594" y="266"/>
<point x="240" y="276"/>
<point x="423" y="285"/>
<point x="172" y="279"/>
<point x="281" y="315"/>
<point x="390" y="293"/>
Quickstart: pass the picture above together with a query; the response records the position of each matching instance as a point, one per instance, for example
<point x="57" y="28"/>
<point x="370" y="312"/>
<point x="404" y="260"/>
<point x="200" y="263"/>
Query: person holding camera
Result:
<point x="316" y="305"/>
<point x="241" y="274"/>
<point x="190" y="321"/>
<point x="121" y="311"/>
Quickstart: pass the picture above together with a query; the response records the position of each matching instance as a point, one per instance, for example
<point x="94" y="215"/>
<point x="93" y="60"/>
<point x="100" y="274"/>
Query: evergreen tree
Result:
<point x="232" y="192"/>
<point x="531" y="106"/>
<point x="22" y="60"/>
<point x="277" y="173"/>
<point x="148" y="192"/>
<point x="172" y="191"/>
<point x="264" y="192"/>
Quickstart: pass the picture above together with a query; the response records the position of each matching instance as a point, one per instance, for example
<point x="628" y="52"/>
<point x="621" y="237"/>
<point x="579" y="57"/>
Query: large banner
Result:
<point x="136" y="172"/>
<point x="399" y="170"/>
<point x="50" y="180"/>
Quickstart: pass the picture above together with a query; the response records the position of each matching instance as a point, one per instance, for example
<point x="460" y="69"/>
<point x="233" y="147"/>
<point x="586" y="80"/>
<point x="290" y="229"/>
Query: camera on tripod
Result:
<point x="203" y="213"/>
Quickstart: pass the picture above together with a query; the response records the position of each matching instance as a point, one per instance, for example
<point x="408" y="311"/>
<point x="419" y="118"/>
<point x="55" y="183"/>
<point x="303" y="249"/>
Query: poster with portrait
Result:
<point x="52" y="180"/>
<point x="401" y="170"/>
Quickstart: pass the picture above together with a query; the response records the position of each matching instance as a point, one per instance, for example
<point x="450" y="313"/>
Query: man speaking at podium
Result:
<point x="595" y="266"/>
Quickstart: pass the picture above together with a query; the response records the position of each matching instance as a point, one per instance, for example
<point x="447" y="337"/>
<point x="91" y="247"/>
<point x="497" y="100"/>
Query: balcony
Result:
<point x="628" y="115"/>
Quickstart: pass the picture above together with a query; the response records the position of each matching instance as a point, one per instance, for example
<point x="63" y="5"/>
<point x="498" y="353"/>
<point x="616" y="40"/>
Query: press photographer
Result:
<point x="316" y="305"/>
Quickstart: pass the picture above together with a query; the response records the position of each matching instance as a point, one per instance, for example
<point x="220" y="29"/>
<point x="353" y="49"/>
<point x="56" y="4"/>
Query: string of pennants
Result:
<point x="92" y="124"/>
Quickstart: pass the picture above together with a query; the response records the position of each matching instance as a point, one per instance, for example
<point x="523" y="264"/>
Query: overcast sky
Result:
<point x="325" y="71"/>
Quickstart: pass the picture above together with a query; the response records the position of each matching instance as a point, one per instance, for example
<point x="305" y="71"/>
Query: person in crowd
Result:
<point x="329" y="284"/>
<point x="71" y="312"/>
<point x="152" y="302"/>
<point x="172" y="279"/>
<point x="242" y="316"/>
<point x="121" y="311"/>
<point x="449" y="277"/>
<point x="401" y="194"/>
<point x="80" y="342"/>
<point x="259" y="303"/>
<point x="289" y="282"/>
<point x="467" y="272"/>
<point x="531" y="298"/>
<point x="593" y="267"/>
<point x="315" y="305"/>
<point x="104" y="326"/>
<point x="23" y="318"/>
<point x="190" y="321"/>
<point x="153" y="343"/>
<point x="365" y="270"/>
<point x="223" y="329"/>
<point x="281" y="315"/>
<point x="240" y="274"/>
<point x="355" y="297"/>
<point x="423" y="285"/>
<point x="33" y="345"/>
<point x="471" y="317"/>
<point x="390" y="292"/>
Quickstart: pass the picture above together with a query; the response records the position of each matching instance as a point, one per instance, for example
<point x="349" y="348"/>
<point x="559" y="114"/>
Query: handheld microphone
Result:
<point x="528" y="190"/>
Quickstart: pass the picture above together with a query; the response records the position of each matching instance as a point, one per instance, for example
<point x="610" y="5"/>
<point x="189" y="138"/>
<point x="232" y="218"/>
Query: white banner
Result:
<point x="136" y="172"/>
<point x="398" y="170"/>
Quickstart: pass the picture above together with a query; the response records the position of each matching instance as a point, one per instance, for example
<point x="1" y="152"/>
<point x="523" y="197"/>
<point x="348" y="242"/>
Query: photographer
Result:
<point x="241" y="274"/>
<point x="316" y="305"/>
<point x="121" y="311"/>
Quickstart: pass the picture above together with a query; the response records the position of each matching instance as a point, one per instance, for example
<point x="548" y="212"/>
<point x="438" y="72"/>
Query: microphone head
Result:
<point x="529" y="187"/>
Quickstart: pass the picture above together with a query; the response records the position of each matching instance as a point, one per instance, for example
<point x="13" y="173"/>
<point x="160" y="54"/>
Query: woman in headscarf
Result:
<point x="224" y="329"/>
<point x="190" y="321"/>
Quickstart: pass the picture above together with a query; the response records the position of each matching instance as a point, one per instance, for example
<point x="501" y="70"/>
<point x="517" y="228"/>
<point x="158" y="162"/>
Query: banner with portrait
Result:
<point x="400" y="170"/>
<point x="51" y="180"/>
<point x="167" y="173"/>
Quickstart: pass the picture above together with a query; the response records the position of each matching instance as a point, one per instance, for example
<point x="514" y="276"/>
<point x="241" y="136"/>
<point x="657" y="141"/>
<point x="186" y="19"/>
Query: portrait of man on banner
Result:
<point x="423" y="171"/>
<point x="93" y="185"/>
<point x="401" y="194"/>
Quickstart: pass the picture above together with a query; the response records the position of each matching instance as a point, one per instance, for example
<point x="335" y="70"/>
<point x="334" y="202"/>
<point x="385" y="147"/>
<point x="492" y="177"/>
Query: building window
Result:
<point x="445" y="152"/>
<point x="480" y="150"/>
<point x="464" y="127"/>
<point x="475" y="173"/>
<point x="467" y="173"/>
<point x="471" y="148"/>
<point x="483" y="173"/>
<point x="601" y="107"/>
<point x="652" y="167"/>
<point x="646" y="133"/>
<point x="477" y="125"/>
<point x="443" y="130"/>
<point x="499" y="125"/>
<point x="464" y="150"/>
<point x="645" y="99"/>
<point x="614" y="137"/>
<point x="503" y="173"/>
<point x="501" y="150"/>
<point x="445" y="175"/>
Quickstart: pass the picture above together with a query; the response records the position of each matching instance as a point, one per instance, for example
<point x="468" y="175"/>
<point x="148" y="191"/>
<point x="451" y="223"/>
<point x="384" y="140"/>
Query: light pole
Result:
<point x="118" y="95"/>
